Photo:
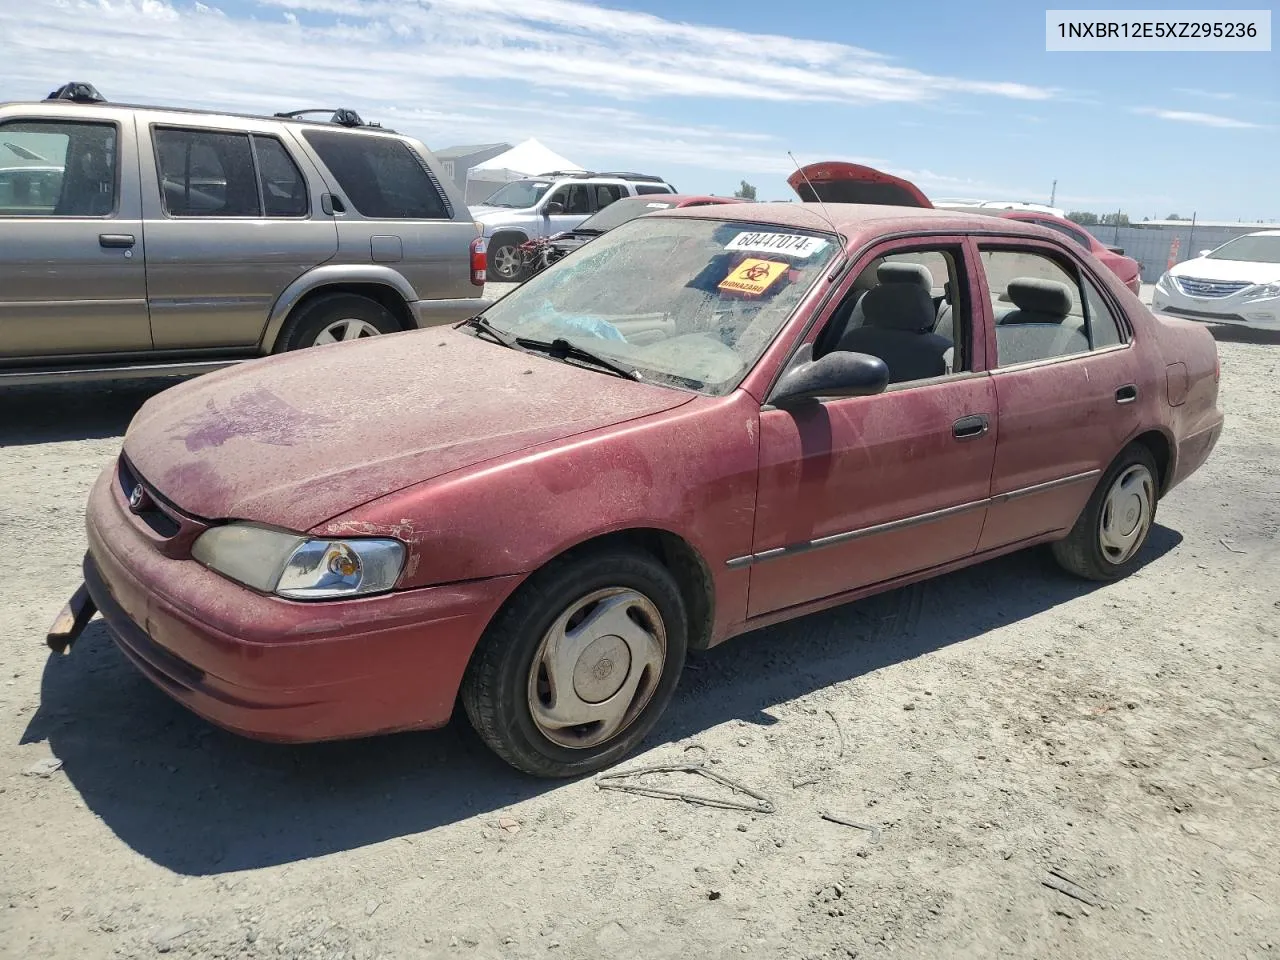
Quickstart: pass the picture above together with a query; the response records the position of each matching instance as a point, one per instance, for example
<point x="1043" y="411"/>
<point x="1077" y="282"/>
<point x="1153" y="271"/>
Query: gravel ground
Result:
<point x="993" y="725"/>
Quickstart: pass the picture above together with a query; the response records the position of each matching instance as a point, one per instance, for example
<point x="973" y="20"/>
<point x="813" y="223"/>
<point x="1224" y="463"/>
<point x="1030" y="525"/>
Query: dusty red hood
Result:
<point x="296" y="439"/>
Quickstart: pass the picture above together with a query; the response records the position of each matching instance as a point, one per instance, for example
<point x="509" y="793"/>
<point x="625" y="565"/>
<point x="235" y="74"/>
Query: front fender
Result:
<point x="330" y="274"/>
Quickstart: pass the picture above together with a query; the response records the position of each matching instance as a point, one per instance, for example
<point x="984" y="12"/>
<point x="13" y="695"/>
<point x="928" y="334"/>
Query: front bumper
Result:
<point x="276" y="669"/>
<point x="1235" y="309"/>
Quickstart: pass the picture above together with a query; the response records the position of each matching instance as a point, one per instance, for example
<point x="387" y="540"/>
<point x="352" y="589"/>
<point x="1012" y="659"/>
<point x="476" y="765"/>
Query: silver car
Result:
<point x="149" y="241"/>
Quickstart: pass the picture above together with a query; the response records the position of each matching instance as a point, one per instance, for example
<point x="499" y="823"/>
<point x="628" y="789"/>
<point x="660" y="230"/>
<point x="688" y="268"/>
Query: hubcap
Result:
<point x="345" y="330"/>
<point x="597" y="667"/>
<point x="506" y="261"/>
<point x="1126" y="514"/>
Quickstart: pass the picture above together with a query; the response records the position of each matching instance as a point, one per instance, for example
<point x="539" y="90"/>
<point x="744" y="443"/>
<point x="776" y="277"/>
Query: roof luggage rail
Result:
<point x="569" y="173"/>
<point x="342" y="116"/>
<point x="77" y="92"/>
<point x="622" y="174"/>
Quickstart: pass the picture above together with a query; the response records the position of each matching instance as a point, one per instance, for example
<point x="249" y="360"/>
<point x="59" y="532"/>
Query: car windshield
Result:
<point x="1261" y="249"/>
<point x="684" y="302"/>
<point x="620" y="211"/>
<point x="519" y="195"/>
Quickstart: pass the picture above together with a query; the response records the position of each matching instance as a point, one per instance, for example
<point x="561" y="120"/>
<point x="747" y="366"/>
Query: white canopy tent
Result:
<point x="527" y="159"/>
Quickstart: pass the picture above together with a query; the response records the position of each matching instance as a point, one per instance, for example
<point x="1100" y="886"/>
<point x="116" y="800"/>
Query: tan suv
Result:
<point x="150" y="241"/>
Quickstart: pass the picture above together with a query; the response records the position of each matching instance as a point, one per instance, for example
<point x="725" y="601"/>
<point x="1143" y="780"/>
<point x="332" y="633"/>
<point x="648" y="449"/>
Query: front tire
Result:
<point x="581" y="663"/>
<point x="335" y="318"/>
<point x="1108" y="538"/>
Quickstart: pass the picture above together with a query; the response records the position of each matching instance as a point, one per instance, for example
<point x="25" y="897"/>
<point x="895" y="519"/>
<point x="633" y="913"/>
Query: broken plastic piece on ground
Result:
<point x="615" y="781"/>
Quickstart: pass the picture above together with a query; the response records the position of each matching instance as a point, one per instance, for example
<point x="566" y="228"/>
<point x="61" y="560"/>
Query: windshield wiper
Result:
<point x="482" y="324"/>
<point x="589" y="231"/>
<point x="562" y="349"/>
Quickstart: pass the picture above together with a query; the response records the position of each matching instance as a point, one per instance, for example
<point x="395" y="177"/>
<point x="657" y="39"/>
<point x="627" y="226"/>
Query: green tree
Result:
<point x="745" y="192"/>
<point x="1115" y="220"/>
<point x="1083" y="217"/>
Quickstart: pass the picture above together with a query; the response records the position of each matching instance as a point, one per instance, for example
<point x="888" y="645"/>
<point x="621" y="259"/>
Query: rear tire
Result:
<point x="333" y="318"/>
<point x="1109" y="535"/>
<point x="603" y="637"/>
<point x="506" y="263"/>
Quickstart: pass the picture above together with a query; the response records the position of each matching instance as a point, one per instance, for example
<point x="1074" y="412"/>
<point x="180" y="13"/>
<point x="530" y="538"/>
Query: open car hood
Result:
<point x="834" y="181"/>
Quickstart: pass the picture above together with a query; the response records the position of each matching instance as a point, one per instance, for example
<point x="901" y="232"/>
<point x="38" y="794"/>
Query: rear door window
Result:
<point x="55" y="168"/>
<point x="206" y="173"/>
<point x="381" y="176"/>
<point x="284" y="190"/>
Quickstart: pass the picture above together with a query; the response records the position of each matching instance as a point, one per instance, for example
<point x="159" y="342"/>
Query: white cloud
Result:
<point x="1206" y="94"/>
<point x="469" y="70"/>
<point x="1203" y="119"/>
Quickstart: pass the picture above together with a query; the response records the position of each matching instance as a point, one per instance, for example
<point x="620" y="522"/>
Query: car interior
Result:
<point x="902" y="309"/>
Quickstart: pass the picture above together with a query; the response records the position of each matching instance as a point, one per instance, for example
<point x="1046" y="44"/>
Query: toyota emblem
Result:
<point x="136" y="497"/>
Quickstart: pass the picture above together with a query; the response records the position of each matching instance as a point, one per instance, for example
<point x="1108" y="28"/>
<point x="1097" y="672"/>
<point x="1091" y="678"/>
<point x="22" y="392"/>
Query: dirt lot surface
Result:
<point x="993" y="726"/>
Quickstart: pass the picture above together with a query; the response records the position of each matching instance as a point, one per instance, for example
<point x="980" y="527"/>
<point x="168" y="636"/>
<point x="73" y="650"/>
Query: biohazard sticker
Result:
<point x="789" y="244"/>
<point x="753" y="277"/>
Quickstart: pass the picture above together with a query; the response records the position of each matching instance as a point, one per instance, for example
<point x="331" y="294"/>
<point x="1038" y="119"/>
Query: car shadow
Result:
<point x="1230" y="333"/>
<point x="200" y="801"/>
<point x="73" y="411"/>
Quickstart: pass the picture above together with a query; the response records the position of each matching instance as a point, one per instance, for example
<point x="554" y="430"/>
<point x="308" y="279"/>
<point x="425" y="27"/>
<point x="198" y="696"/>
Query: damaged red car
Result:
<point x="702" y="422"/>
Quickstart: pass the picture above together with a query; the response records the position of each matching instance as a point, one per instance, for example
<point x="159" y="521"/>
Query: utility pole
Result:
<point x="1053" y="194"/>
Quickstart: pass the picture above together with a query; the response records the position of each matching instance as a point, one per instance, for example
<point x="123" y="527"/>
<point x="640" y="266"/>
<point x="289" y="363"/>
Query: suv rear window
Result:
<point x="643" y="188"/>
<point x="382" y="177"/>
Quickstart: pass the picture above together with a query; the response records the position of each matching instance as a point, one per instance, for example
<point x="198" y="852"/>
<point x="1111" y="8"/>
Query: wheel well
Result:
<point x="1158" y="444"/>
<point x="684" y="563"/>
<point x="380" y="293"/>
<point x="507" y="236"/>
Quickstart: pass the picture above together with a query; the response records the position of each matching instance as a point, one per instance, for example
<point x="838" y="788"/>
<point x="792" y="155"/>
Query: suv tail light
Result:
<point x="479" y="261"/>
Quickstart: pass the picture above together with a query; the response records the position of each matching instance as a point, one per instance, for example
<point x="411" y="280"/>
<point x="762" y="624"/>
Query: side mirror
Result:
<point x="1204" y="253"/>
<point x="553" y="208"/>
<point x="838" y="374"/>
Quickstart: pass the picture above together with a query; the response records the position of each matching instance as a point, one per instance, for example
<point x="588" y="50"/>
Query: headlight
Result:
<point x="1164" y="283"/>
<point x="1264" y="291"/>
<point x="300" y="567"/>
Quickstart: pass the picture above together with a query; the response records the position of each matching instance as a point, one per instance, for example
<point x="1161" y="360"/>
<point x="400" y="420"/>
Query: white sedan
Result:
<point x="1237" y="283"/>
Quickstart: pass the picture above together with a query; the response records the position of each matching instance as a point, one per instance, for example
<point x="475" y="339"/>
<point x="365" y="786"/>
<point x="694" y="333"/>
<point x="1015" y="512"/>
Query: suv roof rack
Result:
<point x="77" y="92"/>
<point x="342" y="116"/>
<point x="568" y="173"/>
<point x="621" y="174"/>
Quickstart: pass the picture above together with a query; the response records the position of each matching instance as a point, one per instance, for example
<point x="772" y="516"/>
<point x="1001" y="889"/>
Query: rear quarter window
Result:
<point x="381" y="176"/>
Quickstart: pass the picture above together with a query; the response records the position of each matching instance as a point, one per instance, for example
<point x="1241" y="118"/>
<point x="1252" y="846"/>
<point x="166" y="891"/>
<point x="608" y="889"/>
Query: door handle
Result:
<point x="1127" y="394"/>
<point x="970" y="427"/>
<point x="115" y="240"/>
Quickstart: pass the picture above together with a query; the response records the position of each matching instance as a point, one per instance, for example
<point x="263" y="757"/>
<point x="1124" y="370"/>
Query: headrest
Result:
<point x="916" y="273"/>
<point x="898" y="306"/>
<point x="1040" y="296"/>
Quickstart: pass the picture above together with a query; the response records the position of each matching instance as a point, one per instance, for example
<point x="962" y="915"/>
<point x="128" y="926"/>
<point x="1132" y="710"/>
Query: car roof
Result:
<point x="861" y="219"/>
<point x="108" y="105"/>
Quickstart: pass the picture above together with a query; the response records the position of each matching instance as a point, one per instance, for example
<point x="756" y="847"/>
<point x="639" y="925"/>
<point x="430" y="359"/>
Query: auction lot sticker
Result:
<point x="791" y="244"/>
<point x="754" y="277"/>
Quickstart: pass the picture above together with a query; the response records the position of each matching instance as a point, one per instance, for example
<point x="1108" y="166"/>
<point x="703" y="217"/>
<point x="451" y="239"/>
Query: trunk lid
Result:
<point x="834" y="181"/>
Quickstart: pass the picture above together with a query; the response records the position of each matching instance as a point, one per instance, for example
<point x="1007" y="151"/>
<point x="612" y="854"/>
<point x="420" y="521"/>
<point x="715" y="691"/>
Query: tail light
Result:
<point x="479" y="261"/>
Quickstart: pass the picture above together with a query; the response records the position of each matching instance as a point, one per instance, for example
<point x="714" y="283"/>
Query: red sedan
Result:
<point x="703" y="422"/>
<point x="1126" y="268"/>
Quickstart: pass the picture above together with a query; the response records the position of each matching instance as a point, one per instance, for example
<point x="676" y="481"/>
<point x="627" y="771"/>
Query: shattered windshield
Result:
<point x="684" y="302"/>
<point x="518" y="195"/>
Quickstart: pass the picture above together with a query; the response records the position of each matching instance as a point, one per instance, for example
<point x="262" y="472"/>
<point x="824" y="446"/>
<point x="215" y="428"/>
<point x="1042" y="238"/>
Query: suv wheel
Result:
<point x="335" y="318"/>
<point x="505" y="260"/>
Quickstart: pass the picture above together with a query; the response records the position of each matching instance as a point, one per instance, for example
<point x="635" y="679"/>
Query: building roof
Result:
<point x="466" y="150"/>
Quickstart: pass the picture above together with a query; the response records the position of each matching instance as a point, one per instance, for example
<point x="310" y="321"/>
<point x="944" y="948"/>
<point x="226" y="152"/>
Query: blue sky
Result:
<point x="961" y="98"/>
